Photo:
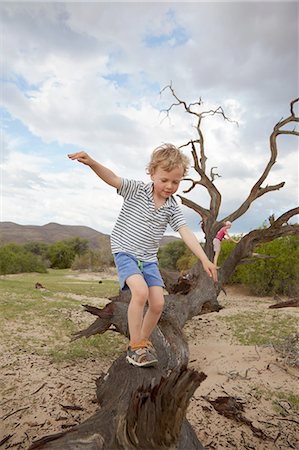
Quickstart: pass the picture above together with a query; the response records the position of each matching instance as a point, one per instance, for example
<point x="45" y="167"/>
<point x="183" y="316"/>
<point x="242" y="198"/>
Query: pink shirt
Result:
<point x="221" y="233"/>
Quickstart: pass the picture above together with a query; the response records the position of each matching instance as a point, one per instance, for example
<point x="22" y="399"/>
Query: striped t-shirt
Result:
<point x="140" y="225"/>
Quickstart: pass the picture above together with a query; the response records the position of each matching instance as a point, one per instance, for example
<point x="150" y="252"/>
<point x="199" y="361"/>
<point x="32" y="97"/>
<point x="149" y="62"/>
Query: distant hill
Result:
<point x="52" y="232"/>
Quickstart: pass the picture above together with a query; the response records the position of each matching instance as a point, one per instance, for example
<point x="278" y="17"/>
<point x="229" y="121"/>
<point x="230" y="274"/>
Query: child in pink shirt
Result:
<point x="222" y="233"/>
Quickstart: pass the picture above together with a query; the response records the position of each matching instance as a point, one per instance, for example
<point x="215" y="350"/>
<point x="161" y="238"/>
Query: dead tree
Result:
<point x="145" y="408"/>
<point x="209" y="216"/>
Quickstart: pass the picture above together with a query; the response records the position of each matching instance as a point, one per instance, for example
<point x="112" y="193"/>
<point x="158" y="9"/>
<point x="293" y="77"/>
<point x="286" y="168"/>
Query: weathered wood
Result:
<point x="139" y="409"/>
<point x="292" y="303"/>
<point x="232" y="408"/>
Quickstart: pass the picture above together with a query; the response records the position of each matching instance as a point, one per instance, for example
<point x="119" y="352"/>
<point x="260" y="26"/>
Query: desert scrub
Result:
<point x="288" y="348"/>
<point x="257" y="328"/>
<point x="104" y="346"/>
<point x="283" y="403"/>
<point x="42" y="321"/>
<point x="57" y="281"/>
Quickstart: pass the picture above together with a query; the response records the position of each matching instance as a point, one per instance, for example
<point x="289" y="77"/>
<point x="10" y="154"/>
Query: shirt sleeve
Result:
<point x="128" y="188"/>
<point x="177" y="219"/>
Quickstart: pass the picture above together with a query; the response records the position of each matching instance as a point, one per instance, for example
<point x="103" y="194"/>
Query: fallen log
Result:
<point x="294" y="302"/>
<point x="139" y="409"/>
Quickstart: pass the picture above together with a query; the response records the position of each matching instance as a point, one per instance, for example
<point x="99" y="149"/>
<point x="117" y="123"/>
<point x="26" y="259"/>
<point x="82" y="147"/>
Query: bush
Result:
<point x="186" y="261"/>
<point x="92" y="260"/>
<point x="61" y="255"/>
<point x="278" y="275"/>
<point x="176" y="256"/>
<point x="169" y="254"/>
<point x="37" y="256"/>
<point x="15" y="258"/>
<point x="37" y="248"/>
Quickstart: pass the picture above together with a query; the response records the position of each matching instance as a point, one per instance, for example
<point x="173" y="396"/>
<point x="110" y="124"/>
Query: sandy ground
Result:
<point x="249" y="374"/>
<point x="38" y="394"/>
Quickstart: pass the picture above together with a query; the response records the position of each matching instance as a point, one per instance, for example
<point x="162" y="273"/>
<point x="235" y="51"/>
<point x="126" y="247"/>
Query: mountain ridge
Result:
<point x="11" y="232"/>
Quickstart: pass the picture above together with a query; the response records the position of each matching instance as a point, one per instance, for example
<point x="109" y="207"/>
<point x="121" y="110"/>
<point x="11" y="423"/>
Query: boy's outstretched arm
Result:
<point x="103" y="172"/>
<point x="191" y="241"/>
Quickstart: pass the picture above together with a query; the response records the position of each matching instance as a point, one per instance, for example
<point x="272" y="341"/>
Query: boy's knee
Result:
<point x="140" y="294"/>
<point x="157" y="306"/>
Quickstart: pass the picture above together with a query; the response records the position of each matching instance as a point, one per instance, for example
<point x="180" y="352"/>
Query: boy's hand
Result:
<point x="211" y="270"/>
<point x="82" y="157"/>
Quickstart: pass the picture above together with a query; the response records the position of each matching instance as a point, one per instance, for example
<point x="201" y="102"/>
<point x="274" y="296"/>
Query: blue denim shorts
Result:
<point x="128" y="265"/>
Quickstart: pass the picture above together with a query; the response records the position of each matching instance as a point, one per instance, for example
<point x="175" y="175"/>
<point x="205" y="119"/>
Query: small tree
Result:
<point x="61" y="255"/>
<point x="78" y="245"/>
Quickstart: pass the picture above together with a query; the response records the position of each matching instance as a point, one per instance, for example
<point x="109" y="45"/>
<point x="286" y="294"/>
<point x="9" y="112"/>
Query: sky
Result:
<point x="89" y="75"/>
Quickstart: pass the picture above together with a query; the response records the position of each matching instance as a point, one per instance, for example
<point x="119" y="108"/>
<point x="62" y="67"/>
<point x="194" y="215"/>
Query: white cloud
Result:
<point x="88" y="75"/>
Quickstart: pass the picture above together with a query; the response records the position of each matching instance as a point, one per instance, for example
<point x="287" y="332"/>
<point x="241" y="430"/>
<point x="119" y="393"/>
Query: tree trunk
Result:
<point x="143" y="408"/>
<point x="139" y="409"/>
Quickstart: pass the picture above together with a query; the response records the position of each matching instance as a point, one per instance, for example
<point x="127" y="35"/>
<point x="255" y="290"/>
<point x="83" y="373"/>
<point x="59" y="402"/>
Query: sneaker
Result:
<point x="148" y="344"/>
<point x="140" y="357"/>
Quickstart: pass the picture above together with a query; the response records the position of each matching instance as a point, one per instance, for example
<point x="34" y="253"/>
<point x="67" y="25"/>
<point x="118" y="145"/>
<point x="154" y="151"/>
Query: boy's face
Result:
<point x="166" y="183"/>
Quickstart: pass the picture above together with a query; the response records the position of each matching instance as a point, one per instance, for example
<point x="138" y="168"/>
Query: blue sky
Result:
<point x="80" y="75"/>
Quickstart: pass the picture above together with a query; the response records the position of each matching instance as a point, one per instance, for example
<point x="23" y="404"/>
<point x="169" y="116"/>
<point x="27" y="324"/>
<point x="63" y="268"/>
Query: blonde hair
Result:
<point x="168" y="157"/>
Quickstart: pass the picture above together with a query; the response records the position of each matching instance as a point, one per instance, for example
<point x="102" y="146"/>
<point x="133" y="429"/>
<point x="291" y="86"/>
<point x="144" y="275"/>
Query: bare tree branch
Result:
<point x="214" y="174"/>
<point x="194" y="183"/>
<point x="203" y="212"/>
<point x="210" y="224"/>
<point x="257" y="191"/>
<point x="244" y="248"/>
<point x="200" y="163"/>
<point x="285" y="217"/>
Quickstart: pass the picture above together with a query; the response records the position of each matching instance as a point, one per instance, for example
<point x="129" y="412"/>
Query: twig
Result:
<point x="256" y="350"/>
<point x="291" y="445"/>
<point x="35" y="392"/>
<point x="5" y="439"/>
<point x="72" y="407"/>
<point x="286" y="369"/>
<point x="288" y="420"/>
<point x="70" y="425"/>
<point x="15" y="412"/>
<point x="233" y="374"/>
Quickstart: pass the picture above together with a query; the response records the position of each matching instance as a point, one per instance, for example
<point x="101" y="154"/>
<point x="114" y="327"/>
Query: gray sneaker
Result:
<point x="148" y="344"/>
<point x="141" y="357"/>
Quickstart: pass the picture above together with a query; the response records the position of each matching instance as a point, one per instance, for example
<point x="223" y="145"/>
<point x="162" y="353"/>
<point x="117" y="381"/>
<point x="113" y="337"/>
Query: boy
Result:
<point x="146" y="211"/>
<point x="222" y="234"/>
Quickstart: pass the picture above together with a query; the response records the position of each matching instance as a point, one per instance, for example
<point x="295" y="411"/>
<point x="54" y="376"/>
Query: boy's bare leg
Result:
<point x="140" y="293"/>
<point x="153" y="314"/>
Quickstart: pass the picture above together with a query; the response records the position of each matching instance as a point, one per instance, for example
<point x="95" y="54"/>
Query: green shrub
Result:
<point x="186" y="261"/>
<point x="61" y="255"/>
<point x="277" y="275"/>
<point x="176" y="256"/>
<point x="15" y="258"/>
<point x="169" y="254"/>
<point x="93" y="260"/>
<point x="37" y="248"/>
